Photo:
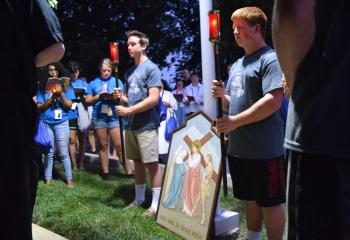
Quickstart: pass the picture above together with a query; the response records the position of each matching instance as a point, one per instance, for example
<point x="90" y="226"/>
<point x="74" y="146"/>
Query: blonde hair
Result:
<point x="210" y="157"/>
<point x="106" y="61"/>
<point x="197" y="144"/>
<point x="253" y="16"/>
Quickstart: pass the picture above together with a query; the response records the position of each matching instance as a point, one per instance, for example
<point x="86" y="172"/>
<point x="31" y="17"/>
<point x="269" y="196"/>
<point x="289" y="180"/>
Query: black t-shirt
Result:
<point x="319" y="115"/>
<point x="27" y="29"/>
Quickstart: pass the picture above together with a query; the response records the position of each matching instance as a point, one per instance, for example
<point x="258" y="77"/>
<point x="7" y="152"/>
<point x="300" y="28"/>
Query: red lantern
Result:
<point x="214" y="25"/>
<point x="113" y="49"/>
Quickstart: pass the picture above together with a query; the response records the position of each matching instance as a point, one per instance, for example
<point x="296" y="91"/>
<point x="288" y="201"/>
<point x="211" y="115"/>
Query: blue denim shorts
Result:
<point x="104" y="123"/>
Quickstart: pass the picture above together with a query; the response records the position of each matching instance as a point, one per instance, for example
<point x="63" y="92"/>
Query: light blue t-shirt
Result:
<point x="251" y="77"/>
<point x="139" y="79"/>
<point x="56" y="113"/>
<point x="73" y="114"/>
<point x="100" y="85"/>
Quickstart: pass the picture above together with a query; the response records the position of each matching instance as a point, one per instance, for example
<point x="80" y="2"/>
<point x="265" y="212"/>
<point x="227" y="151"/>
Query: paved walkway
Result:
<point x="40" y="233"/>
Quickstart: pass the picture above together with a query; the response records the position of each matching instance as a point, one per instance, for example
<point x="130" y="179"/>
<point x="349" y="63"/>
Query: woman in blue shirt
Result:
<point x="54" y="106"/>
<point x="104" y="117"/>
<point x="79" y="86"/>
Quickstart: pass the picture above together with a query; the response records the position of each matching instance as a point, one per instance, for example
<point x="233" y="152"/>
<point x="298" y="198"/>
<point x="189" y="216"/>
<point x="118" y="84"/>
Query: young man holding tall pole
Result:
<point x="143" y="82"/>
<point x="252" y="97"/>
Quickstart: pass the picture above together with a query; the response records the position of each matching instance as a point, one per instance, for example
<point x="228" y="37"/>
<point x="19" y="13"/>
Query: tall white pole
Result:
<point x="225" y="221"/>
<point x="208" y="61"/>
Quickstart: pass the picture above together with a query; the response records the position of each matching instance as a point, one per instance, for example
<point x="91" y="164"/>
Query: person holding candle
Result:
<point x="54" y="104"/>
<point x="141" y="139"/>
<point x="253" y="97"/>
<point x="102" y="96"/>
<point x="79" y="86"/>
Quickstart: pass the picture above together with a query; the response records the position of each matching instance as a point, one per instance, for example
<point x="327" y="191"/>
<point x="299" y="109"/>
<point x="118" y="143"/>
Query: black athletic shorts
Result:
<point x="259" y="180"/>
<point x="318" y="197"/>
<point x="73" y="124"/>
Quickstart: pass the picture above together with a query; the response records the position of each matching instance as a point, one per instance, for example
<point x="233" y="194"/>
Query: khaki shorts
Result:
<point x="142" y="145"/>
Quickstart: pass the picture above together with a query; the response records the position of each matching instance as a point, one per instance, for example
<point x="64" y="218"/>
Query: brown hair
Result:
<point x="144" y="40"/>
<point x="253" y="16"/>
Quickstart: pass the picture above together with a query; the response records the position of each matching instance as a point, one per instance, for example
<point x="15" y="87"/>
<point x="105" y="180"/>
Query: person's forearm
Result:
<point x="44" y="106"/>
<point x="90" y="100"/>
<point x="293" y="30"/>
<point x="225" y="103"/>
<point x="65" y="102"/>
<point x="53" y="53"/>
<point x="262" y="109"/>
<point x="147" y="103"/>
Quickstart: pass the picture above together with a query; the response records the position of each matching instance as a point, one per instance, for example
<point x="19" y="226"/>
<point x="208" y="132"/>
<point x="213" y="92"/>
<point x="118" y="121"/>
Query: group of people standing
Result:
<point x="188" y="93"/>
<point x="59" y="109"/>
<point x="306" y="34"/>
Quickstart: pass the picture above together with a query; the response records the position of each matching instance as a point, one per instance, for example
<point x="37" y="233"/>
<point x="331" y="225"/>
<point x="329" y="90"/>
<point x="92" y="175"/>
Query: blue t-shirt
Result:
<point x="139" y="79"/>
<point x="73" y="114"/>
<point x="56" y="113"/>
<point x="251" y="77"/>
<point x="103" y="108"/>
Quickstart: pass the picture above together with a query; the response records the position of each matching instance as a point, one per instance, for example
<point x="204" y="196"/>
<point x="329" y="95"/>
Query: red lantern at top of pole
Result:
<point x="113" y="49"/>
<point x="214" y="26"/>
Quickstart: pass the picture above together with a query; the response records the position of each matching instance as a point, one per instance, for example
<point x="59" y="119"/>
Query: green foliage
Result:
<point x="53" y="3"/>
<point x="173" y="27"/>
<point x="88" y="27"/>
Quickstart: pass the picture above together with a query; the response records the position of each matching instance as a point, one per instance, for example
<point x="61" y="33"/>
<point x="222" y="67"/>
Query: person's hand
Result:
<point x="226" y="124"/>
<point x="103" y="95"/>
<point x="166" y="104"/>
<point x="218" y="89"/>
<point x="117" y="92"/>
<point x="111" y="97"/>
<point x="57" y="91"/>
<point x="122" y="111"/>
<point x="185" y="100"/>
<point x="198" y="101"/>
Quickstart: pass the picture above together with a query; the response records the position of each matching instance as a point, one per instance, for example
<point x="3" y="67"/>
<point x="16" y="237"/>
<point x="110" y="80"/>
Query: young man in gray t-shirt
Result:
<point x="253" y="97"/>
<point x="141" y="94"/>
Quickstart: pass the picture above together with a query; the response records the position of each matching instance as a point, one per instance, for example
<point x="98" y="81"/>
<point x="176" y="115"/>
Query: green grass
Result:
<point x="93" y="209"/>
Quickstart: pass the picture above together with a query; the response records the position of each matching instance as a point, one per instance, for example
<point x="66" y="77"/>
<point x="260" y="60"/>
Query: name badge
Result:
<point x="58" y="114"/>
<point x="74" y="106"/>
<point x="104" y="109"/>
<point x="109" y="112"/>
<point x="192" y="107"/>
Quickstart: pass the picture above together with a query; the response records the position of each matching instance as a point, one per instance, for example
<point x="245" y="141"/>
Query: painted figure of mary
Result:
<point x="173" y="192"/>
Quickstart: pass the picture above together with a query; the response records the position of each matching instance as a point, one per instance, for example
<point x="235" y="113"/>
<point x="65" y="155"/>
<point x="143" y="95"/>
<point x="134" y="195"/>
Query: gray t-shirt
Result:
<point x="139" y="79"/>
<point x="251" y="77"/>
<point x="318" y="115"/>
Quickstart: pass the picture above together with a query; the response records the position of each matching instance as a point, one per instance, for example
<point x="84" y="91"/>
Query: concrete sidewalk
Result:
<point x="40" y="233"/>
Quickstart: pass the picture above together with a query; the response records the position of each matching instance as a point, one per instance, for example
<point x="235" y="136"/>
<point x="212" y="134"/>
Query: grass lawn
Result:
<point x="93" y="209"/>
